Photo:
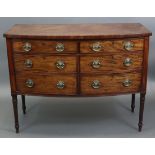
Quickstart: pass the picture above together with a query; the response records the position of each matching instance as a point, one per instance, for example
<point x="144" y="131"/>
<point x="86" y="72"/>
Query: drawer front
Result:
<point x="41" y="46"/>
<point x="45" y="63"/>
<point x="127" y="45"/>
<point x="111" y="63"/>
<point x="104" y="84"/>
<point x="46" y="84"/>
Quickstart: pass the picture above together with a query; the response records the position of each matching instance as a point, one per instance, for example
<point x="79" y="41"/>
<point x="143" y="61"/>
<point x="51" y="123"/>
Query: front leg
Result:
<point x="141" y="110"/>
<point x="15" y="108"/>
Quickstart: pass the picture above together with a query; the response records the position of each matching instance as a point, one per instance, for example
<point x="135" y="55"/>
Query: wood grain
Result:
<point x="110" y="83"/>
<point x="45" y="63"/>
<point x="46" y="84"/>
<point x="145" y="65"/>
<point x="42" y="46"/>
<point x="111" y="63"/>
<point x="78" y="31"/>
<point x="11" y="66"/>
<point x="114" y="46"/>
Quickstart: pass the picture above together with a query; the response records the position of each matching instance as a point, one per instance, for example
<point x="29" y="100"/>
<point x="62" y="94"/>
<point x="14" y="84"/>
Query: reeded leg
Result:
<point x="133" y="103"/>
<point x="141" y="110"/>
<point x="15" y="108"/>
<point x="23" y="104"/>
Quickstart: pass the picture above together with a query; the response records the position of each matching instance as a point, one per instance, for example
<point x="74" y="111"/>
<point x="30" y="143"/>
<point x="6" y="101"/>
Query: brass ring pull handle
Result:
<point x="27" y="47"/>
<point x="28" y="63"/>
<point x="96" y="84"/>
<point x="127" y="83"/>
<point x="128" y="45"/>
<point x="96" y="47"/>
<point x="60" y="47"/>
<point x="60" y="84"/>
<point x="29" y="83"/>
<point x="127" y="62"/>
<point x="96" y="64"/>
<point x="60" y="64"/>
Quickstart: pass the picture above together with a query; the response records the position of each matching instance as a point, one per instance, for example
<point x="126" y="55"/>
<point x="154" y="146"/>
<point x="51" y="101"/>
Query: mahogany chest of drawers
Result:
<point x="78" y="60"/>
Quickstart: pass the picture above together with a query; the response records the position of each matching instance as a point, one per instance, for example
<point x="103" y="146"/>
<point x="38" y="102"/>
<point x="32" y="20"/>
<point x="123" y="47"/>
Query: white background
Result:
<point x="79" y="8"/>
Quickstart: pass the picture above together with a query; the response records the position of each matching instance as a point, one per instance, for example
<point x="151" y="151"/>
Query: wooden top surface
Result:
<point x="78" y="31"/>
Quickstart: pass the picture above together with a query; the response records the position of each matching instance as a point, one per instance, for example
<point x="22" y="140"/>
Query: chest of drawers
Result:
<point x="78" y="60"/>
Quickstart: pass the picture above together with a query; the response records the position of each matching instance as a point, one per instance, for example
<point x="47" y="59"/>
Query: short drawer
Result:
<point x="104" y="84"/>
<point x="126" y="45"/>
<point x="46" y="84"/>
<point x="45" y="63"/>
<point x="111" y="63"/>
<point x="42" y="46"/>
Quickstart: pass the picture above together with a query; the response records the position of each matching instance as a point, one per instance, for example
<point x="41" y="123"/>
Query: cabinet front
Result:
<point x="78" y="68"/>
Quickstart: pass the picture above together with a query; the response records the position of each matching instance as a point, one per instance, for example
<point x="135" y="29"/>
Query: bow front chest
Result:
<point x="78" y="60"/>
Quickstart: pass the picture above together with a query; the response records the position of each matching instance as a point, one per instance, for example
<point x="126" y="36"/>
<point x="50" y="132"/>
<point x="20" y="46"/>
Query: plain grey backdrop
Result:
<point x="76" y="117"/>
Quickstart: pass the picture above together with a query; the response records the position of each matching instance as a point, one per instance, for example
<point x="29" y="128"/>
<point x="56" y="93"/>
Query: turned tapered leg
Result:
<point x="133" y="103"/>
<point x="141" y="110"/>
<point x="15" y="108"/>
<point x="23" y="104"/>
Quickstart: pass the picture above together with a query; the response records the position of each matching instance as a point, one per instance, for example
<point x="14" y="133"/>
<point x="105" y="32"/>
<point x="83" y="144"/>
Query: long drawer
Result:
<point x="45" y="63"/>
<point x="116" y="63"/>
<point x="112" y="46"/>
<point x="46" y="84"/>
<point x="44" y="46"/>
<point x="117" y="83"/>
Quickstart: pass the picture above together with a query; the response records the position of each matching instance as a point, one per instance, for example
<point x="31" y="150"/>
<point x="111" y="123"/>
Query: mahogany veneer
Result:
<point x="78" y="60"/>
